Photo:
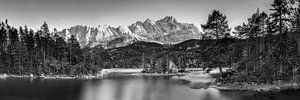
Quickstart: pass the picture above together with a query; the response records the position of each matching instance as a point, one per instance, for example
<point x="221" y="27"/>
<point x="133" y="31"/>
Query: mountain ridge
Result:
<point x="164" y="31"/>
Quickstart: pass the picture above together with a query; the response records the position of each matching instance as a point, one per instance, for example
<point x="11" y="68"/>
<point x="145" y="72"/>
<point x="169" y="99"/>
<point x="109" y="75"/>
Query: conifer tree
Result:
<point x="216" y="28"/>
<point x="74" y="50"/>
<point x="280" y="15"/>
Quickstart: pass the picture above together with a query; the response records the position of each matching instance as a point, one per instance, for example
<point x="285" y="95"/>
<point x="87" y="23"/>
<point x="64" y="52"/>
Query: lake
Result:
<point x="124" y="87"/>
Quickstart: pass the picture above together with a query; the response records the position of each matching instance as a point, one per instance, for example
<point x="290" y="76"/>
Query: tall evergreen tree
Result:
<point x="295" y="15"/>
<point x="257" y="24"/>
<point x="255" y="27"/>
<point x="45" y="30"/>
<point x="3" y="36"/>
<point x="241" y="31"/>
<point x="280" y="14"/>
<point x="13" y="36"/>
<point x="3" y="39"/>
<point x="216" y="26"/>
<point x="74" y="52"/>
<point x="45" y="38"/>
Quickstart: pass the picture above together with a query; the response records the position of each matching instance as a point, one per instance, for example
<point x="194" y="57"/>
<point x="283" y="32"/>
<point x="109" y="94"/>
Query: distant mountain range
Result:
<point x="163" y="31"/>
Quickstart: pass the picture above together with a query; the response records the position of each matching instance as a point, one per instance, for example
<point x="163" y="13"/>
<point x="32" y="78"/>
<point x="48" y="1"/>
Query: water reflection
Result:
<point x="36" y="89"/>
<point x="150" y="88"/>
<point x="126" y="88"/>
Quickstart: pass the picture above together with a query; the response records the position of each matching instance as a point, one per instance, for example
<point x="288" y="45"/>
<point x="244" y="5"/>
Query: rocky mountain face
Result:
<point x="163" y="31"/>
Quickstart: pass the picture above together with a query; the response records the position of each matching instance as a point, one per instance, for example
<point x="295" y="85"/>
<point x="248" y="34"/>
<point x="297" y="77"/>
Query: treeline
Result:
<point x="24" y="52"/>
<point x="270" y="49"/>
<point x="263" y="49"/>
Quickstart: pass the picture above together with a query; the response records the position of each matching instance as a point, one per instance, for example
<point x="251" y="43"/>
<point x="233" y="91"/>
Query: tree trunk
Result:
<point x="218" y="53"/>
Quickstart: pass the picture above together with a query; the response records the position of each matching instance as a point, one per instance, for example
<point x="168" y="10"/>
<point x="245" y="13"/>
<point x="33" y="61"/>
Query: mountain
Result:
<point x="164" y="31"/>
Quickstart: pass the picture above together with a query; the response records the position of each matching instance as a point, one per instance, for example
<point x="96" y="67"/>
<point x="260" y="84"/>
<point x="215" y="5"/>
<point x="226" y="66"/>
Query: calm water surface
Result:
<point x="124" y="87"/>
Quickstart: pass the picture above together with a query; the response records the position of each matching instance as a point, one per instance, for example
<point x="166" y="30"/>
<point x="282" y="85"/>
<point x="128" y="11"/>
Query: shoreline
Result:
<point x="84" y="77"/>
<point x="207" y="79"/>
<point x="5" y="76"/>
<point x="257" y="88"/>
<point x="158" y="74"/>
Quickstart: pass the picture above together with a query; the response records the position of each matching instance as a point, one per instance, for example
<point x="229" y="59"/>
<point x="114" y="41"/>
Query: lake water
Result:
<point x="124" y="87"/>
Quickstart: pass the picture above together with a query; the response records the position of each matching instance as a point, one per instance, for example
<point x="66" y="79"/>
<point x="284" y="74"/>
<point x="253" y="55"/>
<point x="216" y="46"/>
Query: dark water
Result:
<point x="125" y="88"/>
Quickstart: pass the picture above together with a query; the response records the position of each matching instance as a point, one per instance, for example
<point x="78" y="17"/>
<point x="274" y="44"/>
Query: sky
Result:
<point x="62" y="14"/>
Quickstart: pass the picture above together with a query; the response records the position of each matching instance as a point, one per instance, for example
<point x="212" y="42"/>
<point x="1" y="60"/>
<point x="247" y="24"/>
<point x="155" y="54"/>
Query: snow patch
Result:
<point x="125" y="30"/>
<point x="68" y="35"/>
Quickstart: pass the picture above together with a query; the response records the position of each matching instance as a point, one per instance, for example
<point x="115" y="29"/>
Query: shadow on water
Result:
<point x="126" y="87"/>
<point x="199" y="85"/>
<point x="37" y="89"/>
<point x="291" y="94"/>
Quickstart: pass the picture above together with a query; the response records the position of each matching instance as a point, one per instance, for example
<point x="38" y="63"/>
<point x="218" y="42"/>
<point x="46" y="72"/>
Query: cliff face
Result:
<point x="166" y="30"/>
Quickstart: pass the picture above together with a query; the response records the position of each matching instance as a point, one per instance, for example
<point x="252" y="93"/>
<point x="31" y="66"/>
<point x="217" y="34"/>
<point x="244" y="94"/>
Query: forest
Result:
<point x="261" y="50"/>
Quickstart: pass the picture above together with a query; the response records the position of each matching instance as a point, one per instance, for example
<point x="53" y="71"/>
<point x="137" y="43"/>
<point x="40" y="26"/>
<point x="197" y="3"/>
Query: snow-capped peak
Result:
<point x="124" y="29"/>
<point x="152" y="22"/>
<point x="102" y="27"/>
<point x="165" y="30"/>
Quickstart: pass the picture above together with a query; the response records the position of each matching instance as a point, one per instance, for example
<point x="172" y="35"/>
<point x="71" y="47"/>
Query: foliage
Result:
<point x="216" y="26"/>
<point x="24" y="51"/>
<point x="264" y="49"/>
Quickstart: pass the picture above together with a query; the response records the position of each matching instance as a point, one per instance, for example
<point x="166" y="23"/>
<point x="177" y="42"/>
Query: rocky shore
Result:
<point x="258" y="88"/>
<point x="207" y="81"/>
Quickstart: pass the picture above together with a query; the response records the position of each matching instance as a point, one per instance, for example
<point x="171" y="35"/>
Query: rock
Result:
<point x="295" y="84"/>
<point x="259" y="90"/>
<point x="42" y="76"/>
<point x="31" y="76"/>
<point x="3" y="76"/>
<point x="219" y="83"/>
<point x="199" y="85"/>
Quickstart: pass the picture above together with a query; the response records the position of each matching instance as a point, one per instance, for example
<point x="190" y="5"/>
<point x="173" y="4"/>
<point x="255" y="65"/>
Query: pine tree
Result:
<point x="257" y="24"/>
<point x="45" y="38"/>
<point x="240" y="31"/>
<point x="295" y="15"/>
<point x="13" y="36"/>
<point x="216" y="26"/>
<point x="280" y="14"/>
<point x="60" y="48"/>
<point x="74" y="50"/>
<point x="3" y="39"/>
<point x="45" y="30"/>
<point x="38" y="50"/>
<point x="29" y="43"/>
<point x="255" y="27"/>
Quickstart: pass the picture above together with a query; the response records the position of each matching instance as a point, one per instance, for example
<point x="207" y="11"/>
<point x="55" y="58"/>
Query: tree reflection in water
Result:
<point x="150" y="88"/>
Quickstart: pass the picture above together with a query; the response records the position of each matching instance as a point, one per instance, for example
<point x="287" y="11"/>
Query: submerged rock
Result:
<point x="199" y="85"/>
